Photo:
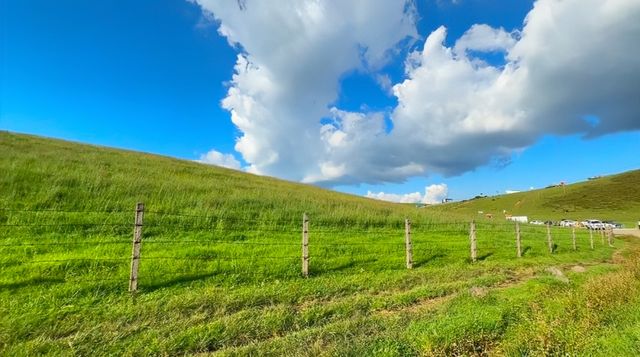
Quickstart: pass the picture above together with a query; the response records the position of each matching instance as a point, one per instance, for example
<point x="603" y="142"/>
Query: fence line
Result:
<point x="63" y="243"/>
<point x="30" y="210"/>
<point x="66" y="225"/>
<point x="476" y="237"/>
<point x="75" y="259"/>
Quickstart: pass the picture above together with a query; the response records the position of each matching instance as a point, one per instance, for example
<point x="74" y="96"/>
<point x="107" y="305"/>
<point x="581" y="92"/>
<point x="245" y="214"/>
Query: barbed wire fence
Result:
<point x="400" y="240"/>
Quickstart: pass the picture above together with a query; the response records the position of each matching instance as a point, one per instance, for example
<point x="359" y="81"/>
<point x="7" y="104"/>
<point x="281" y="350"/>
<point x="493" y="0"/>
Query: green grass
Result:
<point x="615" y="197"/>
<point x="220" y="268"/>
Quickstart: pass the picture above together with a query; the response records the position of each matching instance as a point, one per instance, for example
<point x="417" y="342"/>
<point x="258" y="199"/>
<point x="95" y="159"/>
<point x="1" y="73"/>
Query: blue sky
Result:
<point x="152" y="75"/>
<point x="120" y="73"/>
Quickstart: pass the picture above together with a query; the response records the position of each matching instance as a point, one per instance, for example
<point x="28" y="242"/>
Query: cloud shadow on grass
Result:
<point x="31" y="282"/>
<point x="352" y="263"/>
<point x="485" y="256"/>
<point x="420" y="262"/>
<point x="187" y="278"/>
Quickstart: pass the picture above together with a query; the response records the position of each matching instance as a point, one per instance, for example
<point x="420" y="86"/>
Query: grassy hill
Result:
<point x="615" y="197"/>
<point x="220" y="268"/>
<point x="52" y="174"/>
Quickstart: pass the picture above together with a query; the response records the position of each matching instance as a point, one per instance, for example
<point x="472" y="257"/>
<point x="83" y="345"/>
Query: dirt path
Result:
<point x="627" y="232"/>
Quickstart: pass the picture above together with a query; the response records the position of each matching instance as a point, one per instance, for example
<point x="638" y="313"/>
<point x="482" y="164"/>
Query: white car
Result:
<point x="536" y="222"/>
<point x="612" y="224"/>
<point x="568" y="223"/>
<point x="593" y="224"/>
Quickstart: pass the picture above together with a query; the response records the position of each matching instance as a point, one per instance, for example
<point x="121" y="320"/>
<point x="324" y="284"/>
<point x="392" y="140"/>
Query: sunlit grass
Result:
<point x="614" y="198"/>
<point x="221" y="268"/>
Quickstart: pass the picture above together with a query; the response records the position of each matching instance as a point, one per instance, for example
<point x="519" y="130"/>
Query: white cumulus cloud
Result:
<point x="482" y="37"/>
<point x="433" y="194"/>
<point x="217" y="158"/>
<point x="414" y="197"/>
<point x="572" y="61"/>
<point x="293" y="54"/>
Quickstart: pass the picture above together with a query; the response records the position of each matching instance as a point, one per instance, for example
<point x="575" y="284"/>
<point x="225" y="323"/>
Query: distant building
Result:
<point x="521" y="219"/>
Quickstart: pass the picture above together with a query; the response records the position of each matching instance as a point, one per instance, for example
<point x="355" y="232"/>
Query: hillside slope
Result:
<point x="54" y="174"/>
<point x="220" y="268"/>
<point x="615" y="197"/>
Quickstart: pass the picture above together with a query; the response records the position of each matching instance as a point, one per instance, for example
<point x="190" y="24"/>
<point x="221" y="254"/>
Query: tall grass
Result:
<point x="220" y="266"/>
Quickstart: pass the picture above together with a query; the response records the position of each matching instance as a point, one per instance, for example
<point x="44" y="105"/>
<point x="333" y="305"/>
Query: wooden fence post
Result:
<point x="474" y="244"/>
<point x="610" y="236"/>
<point x="407" y="243"/>
<point x="602" y="235"/>
<point x="549" y="240"/>
<point x="137" y="242"/>
<point x="591" y="237"/>
<point x="305" y="246"/>
<point x="518" y="242"/>
<point x="573" y="236"/>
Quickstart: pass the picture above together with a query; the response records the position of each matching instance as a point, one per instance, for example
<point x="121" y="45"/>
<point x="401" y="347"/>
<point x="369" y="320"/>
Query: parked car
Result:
<point x="594" y="224"/>
<point x="568" y="223"/>
<point x="536" y="222"/>
<point x="612" y="224"/>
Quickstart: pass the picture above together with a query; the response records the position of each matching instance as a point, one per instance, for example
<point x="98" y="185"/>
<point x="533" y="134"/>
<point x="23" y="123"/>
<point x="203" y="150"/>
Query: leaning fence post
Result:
<point x="591" y="237"/>
<point x="472" y="238"/>
<point x="305" y="246"/>
<point x="518" y="242"/>
<point x="407" y="243"/>
<point x="573" y="236"/>
<point x="137" y="242"/>
<point x="549" y="241"/>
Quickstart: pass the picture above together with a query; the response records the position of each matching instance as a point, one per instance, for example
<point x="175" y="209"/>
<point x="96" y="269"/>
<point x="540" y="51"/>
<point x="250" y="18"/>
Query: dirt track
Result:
<point x="627" y="232"/>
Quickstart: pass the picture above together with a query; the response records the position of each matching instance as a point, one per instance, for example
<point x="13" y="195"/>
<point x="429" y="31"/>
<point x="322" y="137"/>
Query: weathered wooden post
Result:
<point x="305" y="245"/>
<point x="137" y="243"/>
<point x="474" y="244"/>
<point x="610" y="236"/>
<point x="602" y="235"/>
<point x="518" y="242"/>
<point x="549" y="240"/>
<point x="407" y="243"/>
<point x="591" y="237"/>
<point x="573" y="236"/>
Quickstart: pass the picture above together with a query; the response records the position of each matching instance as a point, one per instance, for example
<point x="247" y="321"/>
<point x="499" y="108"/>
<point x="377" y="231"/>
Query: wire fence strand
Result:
<point x="205" y="237"/>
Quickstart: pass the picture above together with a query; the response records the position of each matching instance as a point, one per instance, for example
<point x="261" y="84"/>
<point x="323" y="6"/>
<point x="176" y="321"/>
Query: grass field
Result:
<point x="615" y="197"/>
<point x="220" y="268"/>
